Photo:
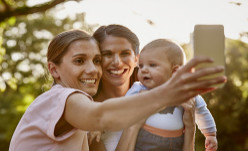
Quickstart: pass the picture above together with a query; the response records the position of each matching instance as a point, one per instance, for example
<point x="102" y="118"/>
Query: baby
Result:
<point x="164" y="130"/>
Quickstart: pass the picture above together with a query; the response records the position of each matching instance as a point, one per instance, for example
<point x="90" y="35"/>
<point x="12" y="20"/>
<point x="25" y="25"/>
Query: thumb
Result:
<point x="98" y="138"/>
<point x="206" y="143"/>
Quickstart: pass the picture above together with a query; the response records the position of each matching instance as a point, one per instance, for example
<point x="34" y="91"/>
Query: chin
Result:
<point x="92" y="92"/>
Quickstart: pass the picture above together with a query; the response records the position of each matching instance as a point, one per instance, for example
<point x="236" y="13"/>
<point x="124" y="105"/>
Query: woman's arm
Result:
<point x="128" y="138"/>
<point x="120" y="113"/>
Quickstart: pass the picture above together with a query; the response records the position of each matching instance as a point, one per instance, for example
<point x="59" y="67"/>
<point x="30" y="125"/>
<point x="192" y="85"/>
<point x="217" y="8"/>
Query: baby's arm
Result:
<point x="206" y="124"/>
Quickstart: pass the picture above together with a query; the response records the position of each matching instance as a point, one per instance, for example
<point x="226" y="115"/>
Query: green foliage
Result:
<point x="23" y="73"/>
<point x="11" y="21"/>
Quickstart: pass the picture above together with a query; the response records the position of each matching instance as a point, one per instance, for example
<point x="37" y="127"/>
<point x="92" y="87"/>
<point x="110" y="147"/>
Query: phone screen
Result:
<point x="209" y="40"/>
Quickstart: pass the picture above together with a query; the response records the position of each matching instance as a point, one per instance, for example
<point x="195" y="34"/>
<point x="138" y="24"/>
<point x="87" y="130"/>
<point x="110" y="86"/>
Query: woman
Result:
<point x="59" y="118"/>
<point x="120" y="48"/>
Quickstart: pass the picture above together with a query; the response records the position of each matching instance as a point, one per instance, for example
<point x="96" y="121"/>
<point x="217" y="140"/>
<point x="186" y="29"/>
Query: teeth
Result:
<point x="88" y="81"/>
<point x="117" y="71"/>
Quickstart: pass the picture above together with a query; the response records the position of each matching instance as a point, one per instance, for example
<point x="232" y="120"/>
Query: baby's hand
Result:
<point x="211" y="143"/>
<point x="94" y="135"/>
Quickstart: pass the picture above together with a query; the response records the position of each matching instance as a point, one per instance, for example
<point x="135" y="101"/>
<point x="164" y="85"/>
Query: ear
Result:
<point x="175" y="68"/>
<point x="53" y="70"/>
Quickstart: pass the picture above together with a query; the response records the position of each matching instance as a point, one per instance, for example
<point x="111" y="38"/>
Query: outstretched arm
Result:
<point x="119" y="113"/>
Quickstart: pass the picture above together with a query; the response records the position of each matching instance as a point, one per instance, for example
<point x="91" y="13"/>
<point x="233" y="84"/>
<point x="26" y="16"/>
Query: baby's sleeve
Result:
<point x="204" y="118"/>
<point x="136" y="88"/>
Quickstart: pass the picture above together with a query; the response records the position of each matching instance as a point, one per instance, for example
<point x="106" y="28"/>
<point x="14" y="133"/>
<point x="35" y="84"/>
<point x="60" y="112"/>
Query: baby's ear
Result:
<point x="53" y="69"/>
<point x="175" y="68"/>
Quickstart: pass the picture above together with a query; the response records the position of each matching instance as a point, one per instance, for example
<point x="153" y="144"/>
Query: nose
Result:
<point x="91" y="68"/>
<point x="116" y="60"/>
<point x="144" y="69"/>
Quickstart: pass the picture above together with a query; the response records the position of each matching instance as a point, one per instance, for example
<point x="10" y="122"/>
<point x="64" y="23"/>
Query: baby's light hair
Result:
<point x="175" y="53"/>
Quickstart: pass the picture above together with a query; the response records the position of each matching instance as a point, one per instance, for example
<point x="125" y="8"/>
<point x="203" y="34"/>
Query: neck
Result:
<point x="108" y="91"/>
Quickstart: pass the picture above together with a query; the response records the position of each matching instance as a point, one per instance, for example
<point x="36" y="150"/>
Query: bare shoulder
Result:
<point x="77" y="96"/>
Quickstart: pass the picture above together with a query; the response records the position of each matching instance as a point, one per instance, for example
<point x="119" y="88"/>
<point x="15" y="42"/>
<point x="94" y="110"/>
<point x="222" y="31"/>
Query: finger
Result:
<point x="206" y="143"/>
<point x="188" y="77"/>
<point x="204" y="86"/>
<point x="89" y="140"/>
<point x="190" y="103"/>
<point x="98" y="138"/>
<point x="214" y="148"/>
<point x="194" y="62"/>
<point x="188" y="107"/>
<point x="210" y="146"/>
<point x="209" y="70"/>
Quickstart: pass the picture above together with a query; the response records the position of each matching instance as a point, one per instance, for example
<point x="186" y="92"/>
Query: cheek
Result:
<point x="139" y="75"/>
<point x="130" y="61"/>
<point x="105" y="61"/>
<point x="99" y="71"/>
<point x="163" y="76"/>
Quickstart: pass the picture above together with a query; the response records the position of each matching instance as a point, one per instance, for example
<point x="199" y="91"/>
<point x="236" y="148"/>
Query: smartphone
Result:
<point x="209" y="40"/>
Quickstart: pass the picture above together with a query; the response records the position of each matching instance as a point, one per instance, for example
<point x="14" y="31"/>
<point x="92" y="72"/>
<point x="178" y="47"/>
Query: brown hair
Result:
<point x="175" y="53"/>
<point x="118" y="31"/>
<point x="59" y="44"/>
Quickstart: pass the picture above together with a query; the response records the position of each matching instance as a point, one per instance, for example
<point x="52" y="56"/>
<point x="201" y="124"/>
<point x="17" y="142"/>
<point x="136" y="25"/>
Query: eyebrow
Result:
<point x="120" y="50"/>
<point x="80" y="54"/>
<point x="84" y="55"/>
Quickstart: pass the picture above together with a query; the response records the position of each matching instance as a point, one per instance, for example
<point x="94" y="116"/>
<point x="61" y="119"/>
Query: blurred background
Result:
<point x="27" y="26"/>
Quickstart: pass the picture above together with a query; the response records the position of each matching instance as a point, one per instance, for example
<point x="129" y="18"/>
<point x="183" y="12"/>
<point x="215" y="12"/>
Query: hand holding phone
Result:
<point x="209" y="40"/>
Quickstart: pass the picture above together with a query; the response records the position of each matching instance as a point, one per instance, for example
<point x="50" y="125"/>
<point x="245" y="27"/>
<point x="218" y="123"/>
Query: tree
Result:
<point x="229" y="105"/>
<point x="9" y="9"/>
<point x="14" y="8"/>
<point x="23" y="67"/>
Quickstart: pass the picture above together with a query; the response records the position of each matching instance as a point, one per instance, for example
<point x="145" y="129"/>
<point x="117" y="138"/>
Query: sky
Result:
<point x="172" y="19"/>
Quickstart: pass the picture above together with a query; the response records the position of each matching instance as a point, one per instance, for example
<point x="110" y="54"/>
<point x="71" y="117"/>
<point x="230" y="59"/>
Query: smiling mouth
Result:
<point x="117" y="72"/>
<point x="88" y="81"/>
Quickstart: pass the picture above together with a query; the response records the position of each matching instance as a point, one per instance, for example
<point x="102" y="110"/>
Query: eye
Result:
<point x="97" y="61"/>
<point x="106" y="54"/>
<point x="79" y="61"/>
<point x="125" y="53"/>
<point x="153" y="65"/>
<point x="140" y="66"/>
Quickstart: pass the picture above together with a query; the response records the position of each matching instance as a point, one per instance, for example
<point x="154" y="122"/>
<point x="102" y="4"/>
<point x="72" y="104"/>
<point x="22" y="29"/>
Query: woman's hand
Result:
<point x="189" y="123"/>
<point x="189" y="114"/>
<point x="184" y="83"/>
<point x="94" y="140"/>
<point x="94" y="135"/>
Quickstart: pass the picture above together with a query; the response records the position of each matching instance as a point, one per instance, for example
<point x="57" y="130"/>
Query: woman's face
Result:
<point x="118" y="60"/>
<point x="81" y="67"/>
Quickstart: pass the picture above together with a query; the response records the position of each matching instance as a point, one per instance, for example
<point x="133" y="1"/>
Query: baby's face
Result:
<point x="154" y="68"/>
